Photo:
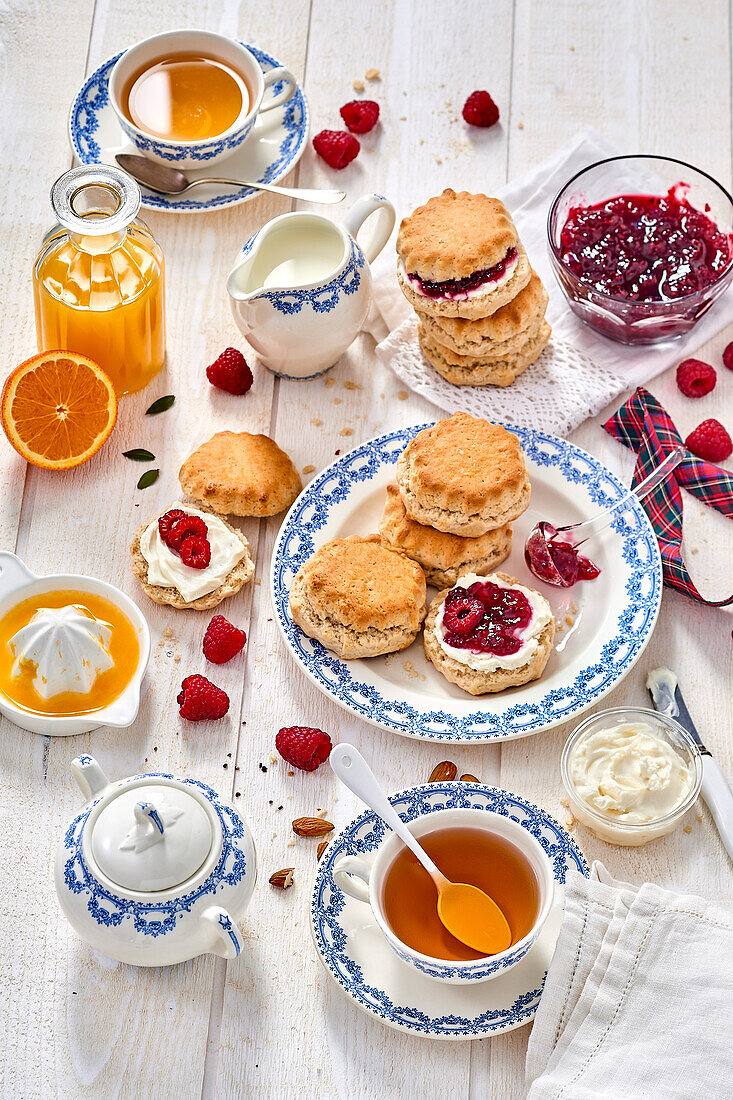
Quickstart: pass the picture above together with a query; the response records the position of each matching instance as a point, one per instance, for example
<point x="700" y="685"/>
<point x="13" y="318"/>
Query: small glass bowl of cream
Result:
<point x="631" y="774"/>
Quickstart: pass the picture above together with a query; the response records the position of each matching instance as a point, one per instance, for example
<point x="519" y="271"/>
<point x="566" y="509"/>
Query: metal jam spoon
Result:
<point x="171" y="181"/>
<point x="548" y="546"/>
<point x="467" y="912"/>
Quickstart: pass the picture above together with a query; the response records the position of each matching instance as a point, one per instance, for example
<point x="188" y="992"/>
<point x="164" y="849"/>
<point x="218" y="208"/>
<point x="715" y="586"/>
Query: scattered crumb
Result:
<point x="337" y="400"/>
<point x="569" y="620"/>
<point x="372" y="74"/>
<point x="410" y="669"/>
<point x="291" y="773"/>
<point x="308" y="469"/>
<point x="564" y="802"/>
<point x="559" y="627"/>
<point x="330" y="382"/>
<point x="403" y="118"/>
<point x="574" y="607"/>
<point x="176" y="657"/>
<point x="438" y="159"/>
<point x="350" y="385"/>
<point x="358" y="85"/>
<point x="572" y="49"/>
<point x="402" y="395"/>
<point x="273" y="758"/>
<point x="346" y="431"/>
<point x="520" y="125"/>
<point x="422" y="141"/>
<point x="694" y="550"/>
<point x="687" y="829"/>
<point x="258" y="580"/>
<point x="168" y="633"/>
<point x="316" y="421"/>
<point x="321" y="813"/>
<point x="569" y="822"/>
<point x="698" y="816"/>
<point x="291" y="844"/>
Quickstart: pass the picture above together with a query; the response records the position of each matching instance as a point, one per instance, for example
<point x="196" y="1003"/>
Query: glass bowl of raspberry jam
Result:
<point x="642" y="246"/>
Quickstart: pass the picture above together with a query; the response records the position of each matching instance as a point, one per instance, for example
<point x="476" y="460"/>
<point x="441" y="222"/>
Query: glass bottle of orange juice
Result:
<point x="98" y="279"/>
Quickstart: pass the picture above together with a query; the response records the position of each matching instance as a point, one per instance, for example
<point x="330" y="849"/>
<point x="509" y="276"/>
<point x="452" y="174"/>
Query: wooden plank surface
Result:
<point x="273" y="1024"/>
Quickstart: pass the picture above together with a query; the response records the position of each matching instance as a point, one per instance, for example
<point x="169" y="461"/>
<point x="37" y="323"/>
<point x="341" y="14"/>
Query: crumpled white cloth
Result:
<point x="579" y="372"/>
<point x="638" y="998"/>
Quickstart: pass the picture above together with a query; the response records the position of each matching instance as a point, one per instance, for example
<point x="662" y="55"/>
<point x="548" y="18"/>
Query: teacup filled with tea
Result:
<point x="191" y="97"/>
<point x="478" y="847"/>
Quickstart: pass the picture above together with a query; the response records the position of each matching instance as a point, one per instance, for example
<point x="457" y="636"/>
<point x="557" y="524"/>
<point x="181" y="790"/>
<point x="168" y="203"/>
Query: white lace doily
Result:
<point x="556" y="393"/>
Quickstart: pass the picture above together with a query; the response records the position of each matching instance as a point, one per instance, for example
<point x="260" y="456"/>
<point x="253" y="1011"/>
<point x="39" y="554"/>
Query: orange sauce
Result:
<point x="475" y="856"/>
<point x="124" y="650"/>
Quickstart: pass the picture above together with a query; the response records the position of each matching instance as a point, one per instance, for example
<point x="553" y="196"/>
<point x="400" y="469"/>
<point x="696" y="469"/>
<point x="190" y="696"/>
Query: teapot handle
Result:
<point x="228" y="938"/>
<point x="14" y="573"/>
<point x="360" y="211"/>
<point x="89" y="776"/>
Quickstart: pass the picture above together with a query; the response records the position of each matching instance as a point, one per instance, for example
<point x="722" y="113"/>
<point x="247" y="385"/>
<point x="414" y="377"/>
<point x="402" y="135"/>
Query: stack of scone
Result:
<point x="480" y="306"/>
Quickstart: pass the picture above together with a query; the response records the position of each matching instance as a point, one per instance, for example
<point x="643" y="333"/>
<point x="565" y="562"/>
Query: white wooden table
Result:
<point x="72" y="1024"/>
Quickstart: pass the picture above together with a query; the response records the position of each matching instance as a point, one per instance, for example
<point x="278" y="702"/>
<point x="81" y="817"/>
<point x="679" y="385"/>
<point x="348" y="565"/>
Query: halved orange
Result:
<point x="57" y="409"/>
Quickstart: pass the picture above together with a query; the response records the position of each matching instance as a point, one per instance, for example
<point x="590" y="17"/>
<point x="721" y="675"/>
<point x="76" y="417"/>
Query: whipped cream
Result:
<point x="629" y="774"/>
<point x="166" y="568"/>
<point x="491" y="284"/>
<point x="528" y="638"/>
<point x="68" y="646"/>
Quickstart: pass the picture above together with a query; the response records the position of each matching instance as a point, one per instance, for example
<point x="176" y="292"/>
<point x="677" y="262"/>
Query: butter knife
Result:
<point x="667" y="699"/>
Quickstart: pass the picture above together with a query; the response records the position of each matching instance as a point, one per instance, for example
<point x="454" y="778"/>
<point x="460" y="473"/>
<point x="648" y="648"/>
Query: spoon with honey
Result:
<point x="467" y="912"/>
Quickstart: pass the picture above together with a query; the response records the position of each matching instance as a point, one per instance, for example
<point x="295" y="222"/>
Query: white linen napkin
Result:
<point x="638" y="997"/>
<point x="580" y="371"/>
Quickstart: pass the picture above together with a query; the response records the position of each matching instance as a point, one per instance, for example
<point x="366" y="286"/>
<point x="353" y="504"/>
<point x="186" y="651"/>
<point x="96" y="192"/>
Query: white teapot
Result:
<point x="300" y="290"/>
<point x="155" y="870"/>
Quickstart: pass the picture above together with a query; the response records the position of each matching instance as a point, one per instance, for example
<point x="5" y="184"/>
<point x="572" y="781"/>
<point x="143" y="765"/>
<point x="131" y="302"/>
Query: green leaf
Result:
<point x="160" y="405"/>
<point x="148" y="478"/>
<point x="139" y="454"/>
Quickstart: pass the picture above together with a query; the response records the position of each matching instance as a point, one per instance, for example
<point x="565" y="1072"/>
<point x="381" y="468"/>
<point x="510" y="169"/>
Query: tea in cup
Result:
<point x="191" y="97"/>
<point x="479" y="847"/>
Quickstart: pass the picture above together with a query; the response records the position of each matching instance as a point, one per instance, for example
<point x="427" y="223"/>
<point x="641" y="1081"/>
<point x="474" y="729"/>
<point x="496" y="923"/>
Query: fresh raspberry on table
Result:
<point x="166" y="521"/>
<point x="695" y="378"/>
<point x="336" y="147"/>
<point x="360" y="115"/>
<point x="461" y="612"/>
<point x="480" y="110"/>
<point x="710" y="441"/>
<point x="222" y="640"/>
<point x="200" y="699"/>
<point x="230" y="372"/>
<point x="303" y="747"/>
<point x="728" y="356"/>
<point x="196" y="552"/>
<point x="185" y="528"/>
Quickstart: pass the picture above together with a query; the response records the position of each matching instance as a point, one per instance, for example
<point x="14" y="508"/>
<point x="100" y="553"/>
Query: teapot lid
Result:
<point x="151" y="837"/>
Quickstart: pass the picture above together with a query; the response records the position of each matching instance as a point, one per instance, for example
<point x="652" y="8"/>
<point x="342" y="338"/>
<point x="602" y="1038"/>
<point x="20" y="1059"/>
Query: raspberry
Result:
<point x="222" y="640"/>
<point x="695" y="378"/>
<point x="710" y="441"/>
<point x="728" y="356"/>
<point x="303" y="747"/>
<point x="230" y="372"/>
<point x="183" y="528"/>
<point x="165" y="522"/>
<point x="360" y="115"/>
<point x="462" y="613"/>
<point x="480" y="110"/>
<point x="199" y="699"/>
<point x="196" y="552"/>
<point x="336" y="147"/>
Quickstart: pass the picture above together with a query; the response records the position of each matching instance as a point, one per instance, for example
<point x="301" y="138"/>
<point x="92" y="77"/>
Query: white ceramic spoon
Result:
<point x="467" y="912"/>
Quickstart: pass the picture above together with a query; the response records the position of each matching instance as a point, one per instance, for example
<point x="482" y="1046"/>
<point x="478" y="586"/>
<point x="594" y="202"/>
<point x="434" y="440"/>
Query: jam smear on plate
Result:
<point x="507" y="613"/>
<point x="644" y="248"/>
<point x="454" y="288"/>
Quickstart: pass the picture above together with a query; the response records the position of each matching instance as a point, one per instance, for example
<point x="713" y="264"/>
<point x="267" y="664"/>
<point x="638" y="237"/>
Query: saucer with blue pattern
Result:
<point x="363" y="965"/>
<point x="274" y="147"/>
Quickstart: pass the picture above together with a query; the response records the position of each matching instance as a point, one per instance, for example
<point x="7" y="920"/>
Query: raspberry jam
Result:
<point x="554" y="562"/>
<point x="507" y="614"/>
<point x="458" y="288"/>
<point x="644" y="248"/>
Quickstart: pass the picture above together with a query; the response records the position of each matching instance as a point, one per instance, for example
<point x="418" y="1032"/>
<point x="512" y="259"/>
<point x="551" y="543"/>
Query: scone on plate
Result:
<point x="190" y="558"/>
<point x="443" y="557"/>
<point x="500" y="369"/>
<point x="358" y="597"/>
<point x="489" y="633"/>
<point x="239" y="474"/>
<point x="460" y="256"/>
<point x="464" y="476"/>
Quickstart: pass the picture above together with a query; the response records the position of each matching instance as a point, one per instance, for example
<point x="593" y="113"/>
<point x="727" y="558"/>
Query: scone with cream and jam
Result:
<point x="460" y="256"/>
<point x="359" y="598"/>
<point x="190" y="558"/>
<point x="489" y="633"/>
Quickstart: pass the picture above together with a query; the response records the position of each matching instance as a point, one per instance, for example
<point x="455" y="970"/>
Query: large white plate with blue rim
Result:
<point x="357" y="956"/>
<point x="275" y="145"/>
<point x="612" y="616"/>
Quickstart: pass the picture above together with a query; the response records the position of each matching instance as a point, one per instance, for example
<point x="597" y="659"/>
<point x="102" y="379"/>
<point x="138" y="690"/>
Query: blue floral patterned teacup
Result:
<point x="197" y="154"/>
<point x="365" y="883"/>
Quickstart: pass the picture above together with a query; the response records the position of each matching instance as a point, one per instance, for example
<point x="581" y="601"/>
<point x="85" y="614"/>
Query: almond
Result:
<point x="323" y="844"/>
<point x="468" y="778"/>
<point x="311" y="826"/>
<point x="282" y="879"/>
<point x="446" y="769"/>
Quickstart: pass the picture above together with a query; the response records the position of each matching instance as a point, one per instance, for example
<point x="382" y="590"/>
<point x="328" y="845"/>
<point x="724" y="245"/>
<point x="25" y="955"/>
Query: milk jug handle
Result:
<point x="363" y="209"/>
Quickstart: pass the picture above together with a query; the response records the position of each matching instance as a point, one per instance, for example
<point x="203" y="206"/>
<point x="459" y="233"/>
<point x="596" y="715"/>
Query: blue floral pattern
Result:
<point x="93" y="98"/>
<point x="321" y="299"/>
<point x="155" y="918"/>
<point x="297" y="540"/>
<point x="364" y="836"/>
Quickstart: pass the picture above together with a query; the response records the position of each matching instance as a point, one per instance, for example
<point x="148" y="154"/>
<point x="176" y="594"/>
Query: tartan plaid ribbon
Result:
<point x="644" y="426"/>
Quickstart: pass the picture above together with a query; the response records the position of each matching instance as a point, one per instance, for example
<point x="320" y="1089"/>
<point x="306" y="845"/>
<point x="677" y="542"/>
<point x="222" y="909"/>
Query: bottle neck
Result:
<point x="95" y="244"/>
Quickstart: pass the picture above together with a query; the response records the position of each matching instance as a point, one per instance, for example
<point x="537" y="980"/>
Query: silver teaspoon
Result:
<point x="171" y="181"/>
